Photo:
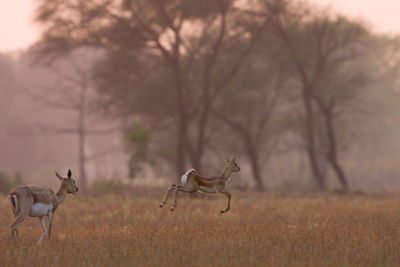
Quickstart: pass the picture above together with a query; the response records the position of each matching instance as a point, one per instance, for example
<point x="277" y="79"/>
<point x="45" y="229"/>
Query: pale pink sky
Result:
<point x="18" y="31"/>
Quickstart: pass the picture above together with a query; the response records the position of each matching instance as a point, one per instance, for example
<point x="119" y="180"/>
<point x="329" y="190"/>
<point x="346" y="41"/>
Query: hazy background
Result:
<point x="382" y="17"/>
<point x="109" y="91"/>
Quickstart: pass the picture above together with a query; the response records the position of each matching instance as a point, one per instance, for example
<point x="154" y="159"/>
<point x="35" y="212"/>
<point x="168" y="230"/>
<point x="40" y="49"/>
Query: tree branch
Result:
<point x="51" y="102"/>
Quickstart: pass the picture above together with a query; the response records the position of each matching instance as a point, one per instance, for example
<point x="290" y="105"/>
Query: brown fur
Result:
<point x="29" y="195"/>
<point x="215" y="184"/>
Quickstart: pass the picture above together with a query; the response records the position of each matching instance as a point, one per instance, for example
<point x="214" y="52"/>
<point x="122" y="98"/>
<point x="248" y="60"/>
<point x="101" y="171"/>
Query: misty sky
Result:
<point x="18" y="30"/>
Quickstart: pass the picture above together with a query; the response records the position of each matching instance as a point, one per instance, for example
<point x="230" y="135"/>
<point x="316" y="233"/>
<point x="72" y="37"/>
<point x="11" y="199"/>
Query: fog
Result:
<point x="302" y="97"/>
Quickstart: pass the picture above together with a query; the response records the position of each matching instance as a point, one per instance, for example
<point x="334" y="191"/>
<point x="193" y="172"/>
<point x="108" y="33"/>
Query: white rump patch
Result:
<point x="184" y="177"/>
<point x="15" y="202"/>
<point x="14" y="207"/>
<point x="41" y="209"/>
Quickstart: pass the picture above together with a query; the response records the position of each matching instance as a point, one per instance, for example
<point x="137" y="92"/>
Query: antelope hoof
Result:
<point x="172" y="208"/>
<point x="222" y="211"/>
<point x="161" y="205"/>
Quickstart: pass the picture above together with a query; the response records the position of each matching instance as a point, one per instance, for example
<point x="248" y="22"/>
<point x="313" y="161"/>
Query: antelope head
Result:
<point x="68" y="183"/>
<point x="233" y="165"/>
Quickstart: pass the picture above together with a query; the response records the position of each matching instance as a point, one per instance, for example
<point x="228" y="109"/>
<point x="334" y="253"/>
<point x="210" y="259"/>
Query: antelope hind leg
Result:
<point x="14" y="226"/>
<point x="186" y="189"/>
<point x="170" y="188"/>
<point x="175" y="196"/>
<point x="17" y="231"/>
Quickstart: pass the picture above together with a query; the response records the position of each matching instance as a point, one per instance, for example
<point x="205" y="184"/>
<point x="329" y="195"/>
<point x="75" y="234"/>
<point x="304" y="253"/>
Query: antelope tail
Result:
<point x="184" y="177"/>
<point x="13" y="203"/>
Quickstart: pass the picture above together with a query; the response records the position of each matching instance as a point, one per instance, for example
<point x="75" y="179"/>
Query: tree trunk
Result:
<point x="197" y="155"/>
<point x="196" y="162"/>
<point x="250" y="149"/>
<point x="310" y="140"/>
<point x="82" y="169"/>
<point x="332" y="156"/>
<point x="309" y="135"/>
<point x="82" y="137"/>
<point x="255" y="167"/>
<point x="182" y="119"/>
<point x="180" y="157"/>
<point x="252" y="154"/>
<point x="339" y="173"/>
<point x="182" y="138"/>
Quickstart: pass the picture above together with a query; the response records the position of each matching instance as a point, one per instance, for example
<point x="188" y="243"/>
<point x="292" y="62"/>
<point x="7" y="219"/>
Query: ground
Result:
<point x="260" y="230"/>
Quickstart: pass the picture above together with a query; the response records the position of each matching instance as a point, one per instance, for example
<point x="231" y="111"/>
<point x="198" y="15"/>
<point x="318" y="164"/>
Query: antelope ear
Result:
<point x="59" y="176"/>
<point x="69" y="173"/>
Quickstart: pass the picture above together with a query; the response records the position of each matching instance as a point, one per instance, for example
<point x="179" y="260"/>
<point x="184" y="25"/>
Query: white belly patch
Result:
<point x="41" y="209"/>
<point x="184" y="177"/>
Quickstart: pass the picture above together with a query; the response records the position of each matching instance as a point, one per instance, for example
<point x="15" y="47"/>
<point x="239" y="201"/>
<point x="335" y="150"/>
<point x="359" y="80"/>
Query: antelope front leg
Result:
<point x="170" y="188"/>
<point x="49" y="221"/>
<point x="187" y="189"/>
<point x="228" y="207"/>
<point x="44" y="230"/>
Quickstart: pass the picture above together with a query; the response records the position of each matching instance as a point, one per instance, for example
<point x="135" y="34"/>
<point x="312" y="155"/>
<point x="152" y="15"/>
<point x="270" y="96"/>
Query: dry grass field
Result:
<point x="260" y="230"/>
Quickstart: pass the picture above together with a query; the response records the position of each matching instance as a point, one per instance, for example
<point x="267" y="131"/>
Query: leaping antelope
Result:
<point x="191" y="182"/>
<point x="37" y="201"/>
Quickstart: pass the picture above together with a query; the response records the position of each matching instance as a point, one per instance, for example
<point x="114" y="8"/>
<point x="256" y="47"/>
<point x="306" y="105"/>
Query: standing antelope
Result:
<point x="37" y="201"/>
<point x="191" y="182"/>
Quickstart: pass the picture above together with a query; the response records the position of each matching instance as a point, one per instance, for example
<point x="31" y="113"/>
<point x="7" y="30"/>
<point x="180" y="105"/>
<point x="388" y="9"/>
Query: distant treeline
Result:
<point x="292" y="90"/>
<point x="8" y="182"/>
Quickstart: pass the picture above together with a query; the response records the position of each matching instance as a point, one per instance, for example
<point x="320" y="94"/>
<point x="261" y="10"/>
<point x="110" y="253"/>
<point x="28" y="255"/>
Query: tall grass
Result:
<point x="260" y="230"/>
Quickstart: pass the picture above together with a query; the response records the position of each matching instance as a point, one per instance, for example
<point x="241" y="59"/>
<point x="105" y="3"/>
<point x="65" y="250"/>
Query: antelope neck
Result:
<point x="227" y="173"/>
<point x="61" y="193"/>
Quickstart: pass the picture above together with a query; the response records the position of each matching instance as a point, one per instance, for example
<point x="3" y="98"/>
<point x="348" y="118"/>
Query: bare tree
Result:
<point x="318" y="47"/>
<point x="71" y="90"/>
<point x="250" y="107"/>
<point x="201" y="62"/>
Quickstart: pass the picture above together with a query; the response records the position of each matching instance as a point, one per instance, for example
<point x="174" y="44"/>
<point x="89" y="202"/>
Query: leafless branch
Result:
<point x="62" y="130"/>
<point x="48" y="101"/>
